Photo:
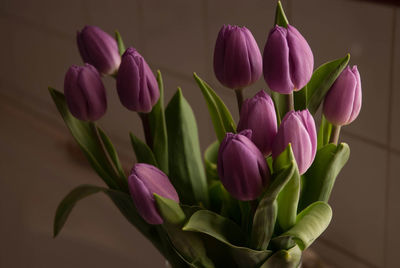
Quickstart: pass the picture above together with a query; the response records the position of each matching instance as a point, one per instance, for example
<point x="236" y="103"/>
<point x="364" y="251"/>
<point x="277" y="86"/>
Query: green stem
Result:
<point x="146" y="128"/>
<point x="335" y="134"/>
<point x="239" y="98"/>
<point x="289" y="102"/>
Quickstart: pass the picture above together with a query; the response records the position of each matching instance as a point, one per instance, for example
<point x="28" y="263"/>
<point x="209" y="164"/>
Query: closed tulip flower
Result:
<point x="342" y="103"/>
<point x="258" y="114"/>
<point x="237" y="58"/>
<point x="99" y="49"/>
<point x="136" y="85"/>
<point x="144" y="181"/>
<point x="85" y="93"/>
<point x="298" y="129"/>
<point x="288" y="60"/>
<point x="242" y="167"/>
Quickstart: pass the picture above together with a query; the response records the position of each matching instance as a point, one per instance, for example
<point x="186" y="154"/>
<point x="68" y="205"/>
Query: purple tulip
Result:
<point x="342" y="103"/>
<point x="137" y="87"/>
<point x="297" y="128"/>
<point x="237" y="58"/>
<point x="145" y="181"/>
<point x="288" y="60"/>
<point x="242" y="168"/>
<point x="258" y="114"/>
<point x="85" y="93"/>
<point x="99" y="49"/>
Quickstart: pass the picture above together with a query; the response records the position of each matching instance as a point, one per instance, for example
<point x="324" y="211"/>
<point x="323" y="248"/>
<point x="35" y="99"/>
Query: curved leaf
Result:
<point x="321" y="176"/>
<point x="112" y="153"/>
<point x="186" y="169"/>
<point x="170" y="210"/>
<point x="284" y="258"/>
<point x="280" y="17"/>
<point x="220" y="115"/>
<point x="121" y="46"/>
<point x="67" y="204"/>
<point x="279" y="104"/>
<point x="267" y="209"/>
<point x="227" y="232"/>
<point x="122" y="200"/>
<point x="310" y="224"/>
<point x="190" y="247"/>
<point x="142" y="151"/>
<point x="158" y="129"/>
<point x="210" y="160"/>
<point x="324" y="133"/>
<point x="322" y="80"/>
<point x="85" y="134"/>
<point x="288" y="198"/>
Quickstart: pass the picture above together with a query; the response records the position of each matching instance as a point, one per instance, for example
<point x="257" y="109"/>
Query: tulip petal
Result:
<point x="144" y="200"/>
<point x="99" y="49"/>
<point x="338" y="104"/>
<point x="301" y="58"/>
<point x="258" y="114"/>
<point x="357" y="96"/>
<point x="276" y="61"/>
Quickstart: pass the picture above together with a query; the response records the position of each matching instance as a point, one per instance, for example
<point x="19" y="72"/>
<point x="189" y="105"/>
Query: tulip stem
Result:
<point x="146" y="128"/>
<point x="239" y="97"/>
<point x="335" y="134"/>
<point x="289" y="102"/>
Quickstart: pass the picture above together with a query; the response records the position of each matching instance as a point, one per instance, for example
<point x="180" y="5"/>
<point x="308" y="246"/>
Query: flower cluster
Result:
<point x="287" y="64"/>
<point x="261" y="179"/>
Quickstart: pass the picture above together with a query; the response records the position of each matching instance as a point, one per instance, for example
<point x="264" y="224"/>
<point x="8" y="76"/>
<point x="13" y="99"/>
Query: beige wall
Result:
<point x="39" y="165"/>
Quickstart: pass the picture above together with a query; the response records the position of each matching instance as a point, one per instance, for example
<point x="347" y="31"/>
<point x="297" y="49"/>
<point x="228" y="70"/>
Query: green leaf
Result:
<point x="186" y="169"/>
<point x="228" y="233"/>
<point x="322" y="80"/>
<point x="112" y="153"/>
<point x="142" y="151"/>
<point x="320" y="177"/>
<point x="220" y="115"/>
<point x="284" y="258"/>
<point x="85" y="134"/>
<point x="300" y="99"/>
<point x="310" y="224"/>
<point x="210" y="161"/>
<point x="158" y="129"/>
<point x="189" y="247"/>
<point x="280" y="105"/>
<point x="68" y="203"/>
<point x="121" y="46"/>
<point x="223" y="203"/>
<point x="170" y="210"/>
<point x="280" y="17"/>
<point x="122" y="200"/>
<point x="267" y="209"/>
<point x="324" y="133"/>
<point x="288" y="198"/>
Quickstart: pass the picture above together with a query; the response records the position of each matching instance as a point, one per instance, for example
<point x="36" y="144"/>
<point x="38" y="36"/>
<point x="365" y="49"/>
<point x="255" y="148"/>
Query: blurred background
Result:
<point x="40" y="163"/>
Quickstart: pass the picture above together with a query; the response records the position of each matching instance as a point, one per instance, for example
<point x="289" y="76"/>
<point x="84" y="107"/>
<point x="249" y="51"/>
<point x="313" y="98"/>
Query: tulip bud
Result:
<point x="85" y="93"/>
<point x="99" y="49"/>
<point x="342" y="103"/>
<point x="137" y="87"/>
<point x="258" y="114"/>
<point x="297" y="128"/>
<point x="242" y="168"/>
<point x="288" y="60"/>
<point x="237" y="58"/>
<point x="145" y="181"/>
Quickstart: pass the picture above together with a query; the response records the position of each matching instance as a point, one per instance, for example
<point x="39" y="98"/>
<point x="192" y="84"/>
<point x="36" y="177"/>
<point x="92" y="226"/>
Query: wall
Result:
<point x="40" y="164"/>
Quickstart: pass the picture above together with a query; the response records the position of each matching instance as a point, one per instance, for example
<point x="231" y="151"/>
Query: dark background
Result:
<point x="39" y="162"/>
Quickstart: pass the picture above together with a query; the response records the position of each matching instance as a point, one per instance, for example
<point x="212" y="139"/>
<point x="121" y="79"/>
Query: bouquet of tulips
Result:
<point x="259" y="196"/>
